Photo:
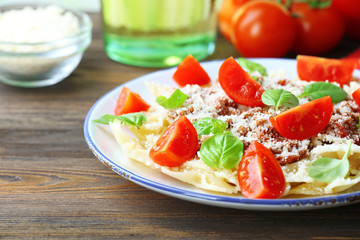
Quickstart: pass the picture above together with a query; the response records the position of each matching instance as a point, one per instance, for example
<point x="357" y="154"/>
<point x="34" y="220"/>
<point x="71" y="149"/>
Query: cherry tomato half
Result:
<point x="318" y="30"/>
<point x="354" y="58"/>
<point x="178" y="144"/>
<point x="263" y="29"/>
<point x="311" y="68"/>
<point x="260" y="174"/>
<point x="129" y="102"/>
<point x="238" y="84"/>
<point x="304" y="121"/>
<point x="190" y="71"/>
<point x="356" y="96"/>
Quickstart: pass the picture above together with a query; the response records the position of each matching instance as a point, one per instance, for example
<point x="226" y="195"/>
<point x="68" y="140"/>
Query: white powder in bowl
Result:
<point x="34" y="26"/>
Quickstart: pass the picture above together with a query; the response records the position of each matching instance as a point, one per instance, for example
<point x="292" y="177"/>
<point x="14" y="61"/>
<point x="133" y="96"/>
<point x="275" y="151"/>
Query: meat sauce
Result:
<point x="251" y="124"/>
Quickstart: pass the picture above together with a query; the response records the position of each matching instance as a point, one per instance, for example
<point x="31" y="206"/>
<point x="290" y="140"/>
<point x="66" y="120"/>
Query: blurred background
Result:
<point x="86" y="5"/>
<point x="326" y="28"/>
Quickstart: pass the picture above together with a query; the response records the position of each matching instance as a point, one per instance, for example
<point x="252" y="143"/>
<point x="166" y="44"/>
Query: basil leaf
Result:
<point x="207" y="125"/>
<point x="133" y="119"/>
<point x="222" y="150"/>
<point x="279" y="97"/>
<point x="328" y="169"/>
<point x="322" y="89"/>
<point x="252" y="66"/>
<point x="175" y="100"/>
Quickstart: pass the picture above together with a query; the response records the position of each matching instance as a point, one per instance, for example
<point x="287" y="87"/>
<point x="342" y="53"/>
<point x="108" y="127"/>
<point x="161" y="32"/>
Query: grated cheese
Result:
<point x="250" y="124"/>
<point x="29" y="30"/>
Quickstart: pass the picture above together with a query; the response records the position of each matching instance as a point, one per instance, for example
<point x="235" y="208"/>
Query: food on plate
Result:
<point x="190" y="72"/>
<point x="354" y="58"/>
<point x="129" y="102"/>
<point x="260" y="174"/>
<point x="312" y="68"/>
<point x="178" y="144"/>
<point x="304" y="121"/>
<point x="356" y="96"/>
<point x="238" y="84"/>
<point x="302" y="140"/>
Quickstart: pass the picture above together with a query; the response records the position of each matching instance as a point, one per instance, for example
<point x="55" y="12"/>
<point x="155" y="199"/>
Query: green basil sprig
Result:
<point x="222" y="150"/>
<point x="252" y="66"/>
<point x="328" y="169"/>
<point x="175" y="100"/>
<point x="322" y="89"/>
<point x="207" y="125"/>
<point x="133" y="119"/>
<point x="279" y="97"/>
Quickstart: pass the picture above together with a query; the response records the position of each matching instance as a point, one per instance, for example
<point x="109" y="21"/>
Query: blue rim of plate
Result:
<point x="307" y="203"/>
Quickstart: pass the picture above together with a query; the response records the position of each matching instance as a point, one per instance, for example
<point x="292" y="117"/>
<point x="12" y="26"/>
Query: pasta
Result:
<point x="246" y="124"/>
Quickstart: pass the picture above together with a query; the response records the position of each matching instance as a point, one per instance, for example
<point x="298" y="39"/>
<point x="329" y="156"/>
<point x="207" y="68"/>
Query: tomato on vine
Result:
<point x="350" y="10"/>
<point x="263" y="29"/>
<point x="319" y="27"/>
<point x="226" y="12"/>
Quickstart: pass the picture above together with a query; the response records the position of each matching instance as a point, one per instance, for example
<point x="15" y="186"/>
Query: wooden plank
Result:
<point x="51" y="186"/>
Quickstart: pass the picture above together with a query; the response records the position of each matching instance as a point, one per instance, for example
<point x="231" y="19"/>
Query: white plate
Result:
<point x="106" y="149"/>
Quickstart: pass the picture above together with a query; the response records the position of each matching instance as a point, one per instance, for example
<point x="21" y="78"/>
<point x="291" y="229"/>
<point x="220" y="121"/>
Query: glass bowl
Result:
<point x="39" y="64"/>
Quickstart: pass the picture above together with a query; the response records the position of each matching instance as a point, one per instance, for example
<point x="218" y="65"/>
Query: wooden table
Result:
<point x="52" y="186"/>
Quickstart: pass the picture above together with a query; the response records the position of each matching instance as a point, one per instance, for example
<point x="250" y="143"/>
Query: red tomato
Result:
<point x="226" y="12"/>
<point x="356" y="96"/>
<point x="354" y="61"/>
<point x="352" y="28"/>
<point x="178" y="144"/>
<point x="129" y="102"/>
<point x="260" y="174"/>
<point x="238" y="84"/>
<point x="349" y="8"/>
<point x="355" y="54"/>
<point x="263" y="29"/>
<point x="304" y="121"/>
<point x="354" y="58"/>
<point x="318" y="30"/>
<point x="190" y="71"/>
<point x="311" y="68"/>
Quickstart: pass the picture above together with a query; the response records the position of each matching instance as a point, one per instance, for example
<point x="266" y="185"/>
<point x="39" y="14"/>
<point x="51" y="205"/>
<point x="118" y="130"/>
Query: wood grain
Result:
<point x="52" y="187"/>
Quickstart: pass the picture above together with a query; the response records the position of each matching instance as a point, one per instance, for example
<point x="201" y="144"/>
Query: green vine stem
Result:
<point x="313" y="4"/>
